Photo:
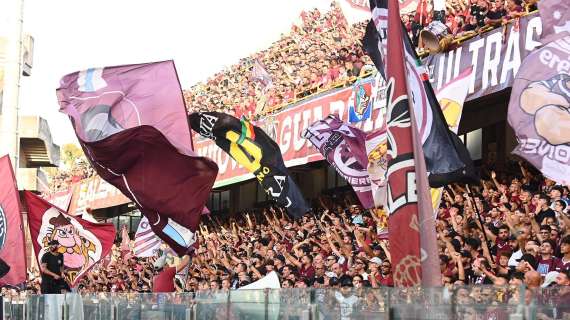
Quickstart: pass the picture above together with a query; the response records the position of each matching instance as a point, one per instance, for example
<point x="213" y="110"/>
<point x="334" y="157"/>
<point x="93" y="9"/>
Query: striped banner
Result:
<point x="146" y="242"/>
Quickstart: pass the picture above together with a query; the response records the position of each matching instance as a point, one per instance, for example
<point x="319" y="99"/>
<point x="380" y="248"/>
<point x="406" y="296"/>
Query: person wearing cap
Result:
<point x="163" y="281"/>
<point x="549" y="279"/>
<point x="52" y="265"/>
<point x="546" y="261"/>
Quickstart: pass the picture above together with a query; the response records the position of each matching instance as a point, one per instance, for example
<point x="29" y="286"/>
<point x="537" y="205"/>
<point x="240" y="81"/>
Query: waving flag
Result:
<point x="131" y="122"/>
<point x="344" y="148"/>
<point x="539" y="110"/>
<point x="252" y="148"/>
<point x="82" y="243"/>
<point x="447" y="159"/>
<point x="451" y="98"/>
<point x="12" y="245"/>
<point x="147" y="243"/>
<point x="412" y="238"/>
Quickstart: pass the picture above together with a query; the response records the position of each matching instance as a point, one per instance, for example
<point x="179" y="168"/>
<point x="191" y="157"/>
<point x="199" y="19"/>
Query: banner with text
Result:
<point x="286" y="128"/>
<point x="495" y="56"/>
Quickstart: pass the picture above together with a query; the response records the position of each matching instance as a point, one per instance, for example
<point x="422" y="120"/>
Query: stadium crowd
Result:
<point x="514" y="229"/>
<point x="322" y="51"/>
<point x="523" y="238"/>
<point x="64" y="178"/>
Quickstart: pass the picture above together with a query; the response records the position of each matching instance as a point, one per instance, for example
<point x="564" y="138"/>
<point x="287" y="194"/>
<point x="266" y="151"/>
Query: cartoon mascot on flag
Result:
<point x="80" y="248"/>
<point x="549" y="102"/>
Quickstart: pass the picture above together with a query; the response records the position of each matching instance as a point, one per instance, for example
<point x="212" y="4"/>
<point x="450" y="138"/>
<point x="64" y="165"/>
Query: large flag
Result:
<point x="447" y="158"/>
<point x="131" y="122"/>
<point x="451" y="98"/>
<point x="12" y="245"/>
<point x="147" y="243"/>
<point x="82" y="243"/>
<point x="344" y="148"/>
<point x="412" y="227"/>
<point x="539" y="108"/>
<point x="252" y="148"/>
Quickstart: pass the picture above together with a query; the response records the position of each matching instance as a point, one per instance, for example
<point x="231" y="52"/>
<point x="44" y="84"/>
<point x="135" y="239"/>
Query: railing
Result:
<point x="476" y="302"/>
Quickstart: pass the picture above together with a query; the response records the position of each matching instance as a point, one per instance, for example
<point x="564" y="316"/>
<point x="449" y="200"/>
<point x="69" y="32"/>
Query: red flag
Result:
<point x="82" y="243"/>
<point x="12" y="245"/>
<point x="132" y="124"/>
<point x="408" y="198"/>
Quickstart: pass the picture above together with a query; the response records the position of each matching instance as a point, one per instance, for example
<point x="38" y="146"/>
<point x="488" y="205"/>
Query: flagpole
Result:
<point x="479" y="218"/>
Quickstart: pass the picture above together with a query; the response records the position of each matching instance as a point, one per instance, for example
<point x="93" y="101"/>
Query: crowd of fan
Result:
<point x="64" y="178"/>
<point x="321" y="51"/>
<point x="521" y="239"/>
<point x="465" y="17"/>
<point x="524" y="221"/>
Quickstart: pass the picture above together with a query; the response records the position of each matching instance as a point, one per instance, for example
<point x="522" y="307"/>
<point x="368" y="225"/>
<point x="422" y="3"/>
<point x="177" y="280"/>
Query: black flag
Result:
<point x="447" y="159"/>
<point x="252" y="148"/>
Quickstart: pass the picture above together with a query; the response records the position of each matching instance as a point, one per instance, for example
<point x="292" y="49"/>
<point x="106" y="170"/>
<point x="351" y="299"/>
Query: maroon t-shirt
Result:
<point x="562" y="265"/>
<point x="385" y="281"/>
<point x="502" y="246"/>
<point x="546" y="265"/>
<point x="308" y="273"/>
<point x="164" y="281"/>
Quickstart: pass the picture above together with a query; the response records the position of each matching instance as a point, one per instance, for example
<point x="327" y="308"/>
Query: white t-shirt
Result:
<point x="514" y="257"/>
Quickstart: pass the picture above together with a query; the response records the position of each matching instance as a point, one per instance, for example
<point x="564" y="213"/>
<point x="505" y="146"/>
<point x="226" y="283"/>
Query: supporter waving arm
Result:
<point x="460" y="270"/>
<point x="292" y="259"/>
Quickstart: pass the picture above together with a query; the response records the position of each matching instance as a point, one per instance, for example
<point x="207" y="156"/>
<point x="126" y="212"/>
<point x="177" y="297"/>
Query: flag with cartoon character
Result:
<point x="539" y="108"/>
<point x="81" y="242"/>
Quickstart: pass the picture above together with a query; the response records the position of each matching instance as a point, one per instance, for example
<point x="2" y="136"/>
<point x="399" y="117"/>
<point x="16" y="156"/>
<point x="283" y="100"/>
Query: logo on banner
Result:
<point x="3" y="227"/>
<point x="80" y="247"/>
<point x="359" y="104"/>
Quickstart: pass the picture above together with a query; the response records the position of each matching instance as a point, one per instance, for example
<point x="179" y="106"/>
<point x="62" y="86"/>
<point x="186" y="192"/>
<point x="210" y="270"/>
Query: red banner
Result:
<point x="287" y="126"/>
<point x="11" y="230"/>
<point x="94" y="193"/>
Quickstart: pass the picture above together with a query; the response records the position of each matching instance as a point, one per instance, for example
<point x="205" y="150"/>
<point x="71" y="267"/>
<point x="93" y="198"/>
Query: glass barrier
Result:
<point x="464" y="302"/>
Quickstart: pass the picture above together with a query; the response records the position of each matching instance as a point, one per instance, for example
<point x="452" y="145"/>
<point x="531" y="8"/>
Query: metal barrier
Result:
<point x="468" y="302"/>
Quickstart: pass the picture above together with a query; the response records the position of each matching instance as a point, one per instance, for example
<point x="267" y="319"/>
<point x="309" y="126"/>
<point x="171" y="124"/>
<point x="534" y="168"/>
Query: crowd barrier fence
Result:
<point x="465" y="302"/>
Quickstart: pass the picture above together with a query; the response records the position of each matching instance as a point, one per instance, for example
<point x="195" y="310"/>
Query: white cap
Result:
<point x="549" y="279"/>
<point x="331" y="274"/>
<point x="376" y="260"/>
<point x="160" y="262"/>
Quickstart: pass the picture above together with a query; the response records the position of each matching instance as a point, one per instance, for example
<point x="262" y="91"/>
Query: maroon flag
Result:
<point x="12" y="246"/>
<point x="409" y="203"/>
<point x="82" y="243"/>
<point x="131" y="122"/>
<point x="344" y="148"/>
<point x="539" y="109"/>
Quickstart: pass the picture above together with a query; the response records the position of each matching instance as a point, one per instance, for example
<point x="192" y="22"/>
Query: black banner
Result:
<point x="252" y="148"/>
